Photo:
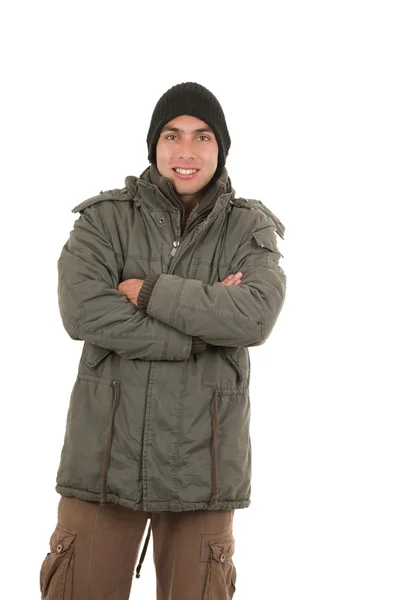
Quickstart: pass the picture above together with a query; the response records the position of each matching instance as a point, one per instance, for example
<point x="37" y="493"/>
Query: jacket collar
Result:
<point x="158" y="193"/>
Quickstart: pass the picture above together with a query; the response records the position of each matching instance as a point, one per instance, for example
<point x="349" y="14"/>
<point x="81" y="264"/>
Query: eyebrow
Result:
<point x="177" y="130"/>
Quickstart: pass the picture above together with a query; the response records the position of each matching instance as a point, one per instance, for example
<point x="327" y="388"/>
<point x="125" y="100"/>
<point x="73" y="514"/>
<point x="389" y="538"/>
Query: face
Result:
<point x="188" y="143"/>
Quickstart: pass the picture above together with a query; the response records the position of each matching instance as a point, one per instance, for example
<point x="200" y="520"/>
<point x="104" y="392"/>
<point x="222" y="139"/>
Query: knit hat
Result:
<point x="189" y="99"/>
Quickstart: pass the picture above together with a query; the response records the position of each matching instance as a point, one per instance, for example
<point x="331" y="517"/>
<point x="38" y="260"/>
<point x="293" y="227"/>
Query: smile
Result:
<point x="185" y="173"/>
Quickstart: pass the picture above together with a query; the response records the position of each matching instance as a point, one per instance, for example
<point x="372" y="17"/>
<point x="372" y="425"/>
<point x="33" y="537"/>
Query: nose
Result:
<point x="186" y="150"/>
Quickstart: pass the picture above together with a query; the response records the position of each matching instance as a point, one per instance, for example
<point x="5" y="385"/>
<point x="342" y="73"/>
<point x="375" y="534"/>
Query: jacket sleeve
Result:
<point x="242" y="315"/>
<point x="91" y="307"/>
<point x="146" y="290"/>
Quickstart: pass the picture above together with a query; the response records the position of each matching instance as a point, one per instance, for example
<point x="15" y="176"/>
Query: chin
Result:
<point x="186" y="189"/>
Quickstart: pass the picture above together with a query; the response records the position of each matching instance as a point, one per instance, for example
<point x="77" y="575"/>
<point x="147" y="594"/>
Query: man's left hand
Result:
<point x="131" y="289"/>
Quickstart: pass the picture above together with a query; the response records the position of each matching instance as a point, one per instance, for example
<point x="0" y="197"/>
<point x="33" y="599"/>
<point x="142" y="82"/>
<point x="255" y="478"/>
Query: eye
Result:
<point x="170" y="135"/>
<point x="204" y="136"/>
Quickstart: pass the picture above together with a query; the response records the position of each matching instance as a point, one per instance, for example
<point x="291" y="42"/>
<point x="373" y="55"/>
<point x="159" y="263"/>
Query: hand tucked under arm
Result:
<point x="131" y="288"/>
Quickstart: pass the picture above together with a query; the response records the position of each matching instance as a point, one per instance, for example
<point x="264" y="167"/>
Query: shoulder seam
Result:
<point x="264" y="210"/>
<point x="122" y="194"/>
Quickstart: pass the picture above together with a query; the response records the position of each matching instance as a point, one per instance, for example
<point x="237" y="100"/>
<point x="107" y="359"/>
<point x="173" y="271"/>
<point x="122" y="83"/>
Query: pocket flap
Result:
<point x="222" y="550"/>
<point x="92" y="355"/>
<point x="263" y="240"/>
<point x="54" y="568"/>
<point x="61" y="539"/>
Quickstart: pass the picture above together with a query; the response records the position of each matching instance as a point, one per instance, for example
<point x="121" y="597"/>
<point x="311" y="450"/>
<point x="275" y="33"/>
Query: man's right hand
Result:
<point x="232" y="279"/>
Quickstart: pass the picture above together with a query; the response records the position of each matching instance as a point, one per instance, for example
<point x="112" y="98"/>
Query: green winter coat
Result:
<point x="159" y="413"/>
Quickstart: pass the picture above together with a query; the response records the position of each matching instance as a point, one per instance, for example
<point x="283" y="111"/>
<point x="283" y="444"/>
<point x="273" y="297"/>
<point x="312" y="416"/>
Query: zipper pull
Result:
<point x="175" y="244"/>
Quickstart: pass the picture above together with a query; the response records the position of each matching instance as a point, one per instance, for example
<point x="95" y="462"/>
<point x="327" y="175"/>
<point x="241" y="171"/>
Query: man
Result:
<point x="168" y="281"/>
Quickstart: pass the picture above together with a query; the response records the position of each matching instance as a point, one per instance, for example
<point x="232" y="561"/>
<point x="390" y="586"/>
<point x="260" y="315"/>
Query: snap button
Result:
<point x="161" y="220"/>
<point x="222" y="558"/>
<point x="59" y="548"/>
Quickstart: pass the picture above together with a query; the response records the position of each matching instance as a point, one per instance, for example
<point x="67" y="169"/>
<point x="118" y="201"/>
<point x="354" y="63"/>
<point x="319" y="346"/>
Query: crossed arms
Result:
<point x="93" y="309"/>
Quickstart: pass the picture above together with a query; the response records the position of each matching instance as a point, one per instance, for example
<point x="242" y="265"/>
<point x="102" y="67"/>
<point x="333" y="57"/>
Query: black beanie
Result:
<point x="189" y="99"/>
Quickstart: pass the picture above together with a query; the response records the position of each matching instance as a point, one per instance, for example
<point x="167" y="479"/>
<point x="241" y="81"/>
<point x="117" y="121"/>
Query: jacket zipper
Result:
<point x="175" y="246"/>
<point x="176" y="243"/>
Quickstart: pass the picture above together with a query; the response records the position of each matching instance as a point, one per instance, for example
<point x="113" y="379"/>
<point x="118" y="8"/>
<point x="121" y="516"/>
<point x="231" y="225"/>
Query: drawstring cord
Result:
<point x="106" y="458"/>
<point x="143" y="553"/>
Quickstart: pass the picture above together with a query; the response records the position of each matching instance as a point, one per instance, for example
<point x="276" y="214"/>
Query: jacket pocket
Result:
<point x="90" y="425"/>
<point x="231" y="445"/>
<point x="92" y="355"/>
<point x="265" y="249"/>
<point x="56" y="573"/>
<point x="238" y="358"/>
<point x="221" y="571"/>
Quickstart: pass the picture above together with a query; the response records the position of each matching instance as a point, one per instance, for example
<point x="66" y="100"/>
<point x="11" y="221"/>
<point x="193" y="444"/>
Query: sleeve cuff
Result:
<point x="146" y="290"/>
<point x="198" y="345"/>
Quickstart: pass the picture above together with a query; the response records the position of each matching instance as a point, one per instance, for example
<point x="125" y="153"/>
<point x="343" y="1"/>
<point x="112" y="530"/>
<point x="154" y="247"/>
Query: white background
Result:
<point x="309" y="94"/>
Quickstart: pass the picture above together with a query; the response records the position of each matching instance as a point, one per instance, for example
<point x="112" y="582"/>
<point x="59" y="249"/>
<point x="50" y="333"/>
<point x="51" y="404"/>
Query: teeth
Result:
<point x="185" y="171"/>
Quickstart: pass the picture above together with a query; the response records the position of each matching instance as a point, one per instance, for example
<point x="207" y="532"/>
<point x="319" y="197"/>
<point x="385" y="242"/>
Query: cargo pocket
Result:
<point x="56" y="573"/>
<point x="220" y="582"/>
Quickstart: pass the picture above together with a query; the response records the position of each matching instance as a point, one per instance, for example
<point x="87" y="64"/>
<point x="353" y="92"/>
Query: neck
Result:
<point x="189" y="201"/>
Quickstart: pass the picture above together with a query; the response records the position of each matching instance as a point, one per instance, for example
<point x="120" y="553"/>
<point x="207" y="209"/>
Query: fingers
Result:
<point x="233" y="279"/>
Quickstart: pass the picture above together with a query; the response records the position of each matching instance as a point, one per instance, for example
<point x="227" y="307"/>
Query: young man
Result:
<point x="168" y="281"/>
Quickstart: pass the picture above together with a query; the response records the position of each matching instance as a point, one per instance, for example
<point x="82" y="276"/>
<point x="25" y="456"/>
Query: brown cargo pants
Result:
<point x="94" y="549"/>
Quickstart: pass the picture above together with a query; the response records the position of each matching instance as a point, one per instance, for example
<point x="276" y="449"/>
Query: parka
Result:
<point x="159" y="414"/>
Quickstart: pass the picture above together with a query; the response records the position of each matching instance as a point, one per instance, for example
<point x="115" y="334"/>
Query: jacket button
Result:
<point x="222" y="558"/>
<point x="59" y="548"/>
